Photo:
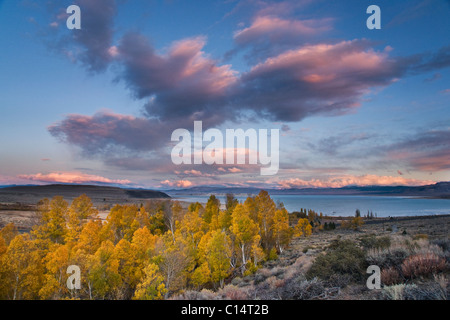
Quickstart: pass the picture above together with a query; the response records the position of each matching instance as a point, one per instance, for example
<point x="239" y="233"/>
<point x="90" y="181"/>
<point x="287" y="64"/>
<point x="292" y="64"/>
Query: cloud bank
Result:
<point x="288" y="79"/>
<point x="71" y="177"/>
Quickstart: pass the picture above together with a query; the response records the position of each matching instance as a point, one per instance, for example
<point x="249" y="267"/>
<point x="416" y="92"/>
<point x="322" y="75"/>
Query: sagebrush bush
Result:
<point x="301" y="289"/>
<point x="444" y="244"/>
<point x="373" y="242"/>
<point x="339" y="280"/>
<point x="422" y="265"/>
<point x="428" y="291"/>
<point x="396" y="292"/>
<point x="386" y="258"/>
<point x="391" y="276"/>
<point x="205" y="294"/>
<point x="231" y="292"/>
<point x="341" y="258"/>
<point x="424" y="247"/>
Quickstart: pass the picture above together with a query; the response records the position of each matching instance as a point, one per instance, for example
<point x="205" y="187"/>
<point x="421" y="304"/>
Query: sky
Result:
<point x="353" y="105"/>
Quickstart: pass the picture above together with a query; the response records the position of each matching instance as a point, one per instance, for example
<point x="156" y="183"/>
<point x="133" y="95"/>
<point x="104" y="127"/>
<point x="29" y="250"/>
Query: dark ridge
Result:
<point x="146" y="194"/>
<point x="98" y="194"/>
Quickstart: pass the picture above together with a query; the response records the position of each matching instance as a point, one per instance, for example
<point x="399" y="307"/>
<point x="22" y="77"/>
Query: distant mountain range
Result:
<point x="438" y="190"/>
<point x="31" y="194"/>
<point x="106" y="194"/>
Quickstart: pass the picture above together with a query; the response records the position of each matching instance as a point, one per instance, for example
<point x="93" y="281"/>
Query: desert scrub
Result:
<point x="302" y="289"/>
<point x="420" y="236"/>
<point x="342" y="258"/>
<point x="431" y="290"/>
<point x="444" y="244"/>
<point x="296" y="288"/>
<point x="373" y="242"/>
<point x="204" y="294"/>
<point x="393" y="255"/>
<point x="423" y="265"/>
<point x="397" y="292"/>
<point x="387" y="258"/>
<point x="391" y="276"/>
<point x="231" y="292"/>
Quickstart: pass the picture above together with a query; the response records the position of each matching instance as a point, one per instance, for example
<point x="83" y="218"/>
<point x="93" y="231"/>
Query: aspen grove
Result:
<point x="150" y="251"/>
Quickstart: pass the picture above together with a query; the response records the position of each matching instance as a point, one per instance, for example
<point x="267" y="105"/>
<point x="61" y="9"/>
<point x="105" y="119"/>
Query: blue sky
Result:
<point x="354" y="106"/>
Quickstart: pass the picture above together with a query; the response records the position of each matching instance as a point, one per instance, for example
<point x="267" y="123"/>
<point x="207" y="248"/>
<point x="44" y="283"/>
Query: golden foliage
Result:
<point x="146" y="252"/>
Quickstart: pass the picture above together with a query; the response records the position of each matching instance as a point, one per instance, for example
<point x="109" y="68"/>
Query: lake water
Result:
<point x="343" y="205"/>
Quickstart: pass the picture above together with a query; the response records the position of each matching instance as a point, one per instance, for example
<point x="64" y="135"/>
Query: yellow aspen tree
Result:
<point x="80" y="210"/>
<point x="4" y="275"/>
<point x="224" y="220"/>
<point x="251" y="207"/>
<point x="174" y="259"/>
<point x="203" y="246"/>
<point x="142" y="217"/>
<point x="129" y="223"/>
<point x="211" y="214"/>
<point x="245" y="231"/>
<point x="52" y="224"/>
<point x="282" y="232"/>
<point x="201" y="275"/>
<point x="83" y="208"/>
<point x="218" y="256"/>
<point x="152" y="285"/>
<point x="56" y="263"/>
<point x="303" y="228"/>
<point x="173" y="214"/>
<point x="266" y="210"/>
<point x="128" y="269"/>
<point x="230" y="203"/>
<point x="122" y="222"/>
<point x="89" y="239"/>
<point x="104" y="276"/>
<point x="143" y="244"/>
<point x="192" y="227"/>
<point x="24" y="269"/>
<point x="8" y="233"/>
<point x="3" y="246"/>
<point x="114" y="223"/>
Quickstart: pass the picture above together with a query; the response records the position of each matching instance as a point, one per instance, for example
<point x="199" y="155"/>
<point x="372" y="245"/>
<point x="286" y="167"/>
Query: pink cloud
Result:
<point x="276" y="28"/>
<point x="105" y="129"/>
<point x="438" y="161"/>
<point x="323" y="79"/>
<point x="178" y="183"/>
<point x="234" y="170"/>
<point x="349" y="180"/>
<point x="184" y="75"/>
<point x="425" y="151"/>
<point x="326" y="60"/>
<point x="193" y="172"/>
<point x="197" y="173"/>
<point x="71" y="177"/>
